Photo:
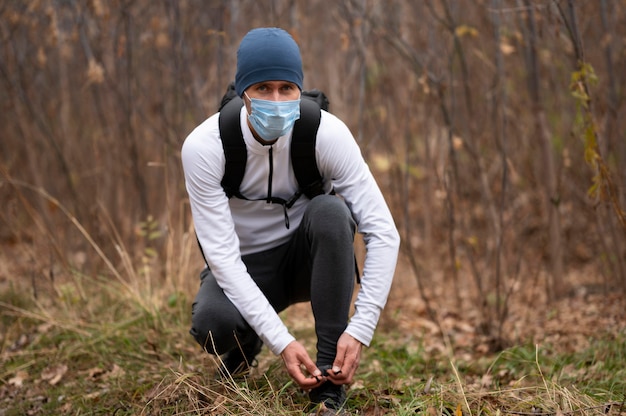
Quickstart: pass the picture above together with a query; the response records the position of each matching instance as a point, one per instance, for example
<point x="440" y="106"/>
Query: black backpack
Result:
<point x="310" y="181"/>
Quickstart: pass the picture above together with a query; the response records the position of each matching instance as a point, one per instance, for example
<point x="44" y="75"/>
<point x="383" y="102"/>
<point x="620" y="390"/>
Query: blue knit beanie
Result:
<point x="267" y="54"/>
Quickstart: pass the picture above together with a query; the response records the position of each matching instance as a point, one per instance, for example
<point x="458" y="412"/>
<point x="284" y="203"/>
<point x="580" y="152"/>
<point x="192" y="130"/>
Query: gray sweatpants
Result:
<point x="317" y="264"/>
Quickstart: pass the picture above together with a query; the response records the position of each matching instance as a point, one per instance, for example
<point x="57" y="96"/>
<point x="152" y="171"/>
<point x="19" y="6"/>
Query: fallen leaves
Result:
<point x="98" y="372"/>
<point x="18" y="379"/>
<point x="36" y="389"/>
<point x="53" y="375"/>
<point x="569" y="323"/>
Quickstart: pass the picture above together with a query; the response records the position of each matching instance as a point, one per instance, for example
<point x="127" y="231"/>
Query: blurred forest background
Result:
<point x="494" y="127"/>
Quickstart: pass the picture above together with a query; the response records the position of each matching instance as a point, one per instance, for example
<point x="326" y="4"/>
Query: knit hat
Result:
<point x="267" y="54"/>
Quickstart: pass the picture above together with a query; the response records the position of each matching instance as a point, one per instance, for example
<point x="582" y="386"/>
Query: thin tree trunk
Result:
<point x="128" y="126"/>
<point x="613" y="136"/>
<point x="500" y="124"/>
<point x="550" y="183"/>
<point x="605" y="188"/>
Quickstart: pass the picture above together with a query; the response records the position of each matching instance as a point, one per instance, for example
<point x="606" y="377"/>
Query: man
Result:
<point x="263" y="256"/>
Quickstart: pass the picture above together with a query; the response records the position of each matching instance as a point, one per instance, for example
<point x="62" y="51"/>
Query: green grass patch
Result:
<point x="111" y="350"/>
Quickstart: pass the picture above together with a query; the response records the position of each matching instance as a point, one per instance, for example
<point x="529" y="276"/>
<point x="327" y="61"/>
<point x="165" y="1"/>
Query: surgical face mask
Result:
<point x="272" y="119"/>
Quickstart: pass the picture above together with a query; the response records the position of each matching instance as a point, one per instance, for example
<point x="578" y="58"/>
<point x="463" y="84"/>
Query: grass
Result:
<point x="92" y="347"/>
<point x="117" y="344"/>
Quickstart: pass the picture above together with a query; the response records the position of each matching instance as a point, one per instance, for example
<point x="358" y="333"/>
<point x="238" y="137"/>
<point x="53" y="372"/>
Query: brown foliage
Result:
<point x="463" y="109"/>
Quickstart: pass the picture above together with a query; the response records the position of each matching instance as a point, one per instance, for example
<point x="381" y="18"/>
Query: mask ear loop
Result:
<point x="246" y="105"/>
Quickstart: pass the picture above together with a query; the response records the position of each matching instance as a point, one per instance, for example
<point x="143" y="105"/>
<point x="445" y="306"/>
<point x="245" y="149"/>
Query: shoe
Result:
<point x="331" y="398"/>
<point x="237" y="362"/>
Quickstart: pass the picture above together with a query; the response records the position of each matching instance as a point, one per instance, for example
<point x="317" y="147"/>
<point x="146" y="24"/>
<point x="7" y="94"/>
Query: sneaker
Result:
<point x="237" y="362"/>
<point x="331" y="398"/>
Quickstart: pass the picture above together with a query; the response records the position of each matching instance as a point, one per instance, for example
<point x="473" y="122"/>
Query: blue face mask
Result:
<point x="272" y="119"/>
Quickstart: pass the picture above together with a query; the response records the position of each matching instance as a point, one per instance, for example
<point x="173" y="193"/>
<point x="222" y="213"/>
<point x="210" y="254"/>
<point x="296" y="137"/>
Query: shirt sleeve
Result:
<point x="203" y="164"/>
<point x="339" y="157"/>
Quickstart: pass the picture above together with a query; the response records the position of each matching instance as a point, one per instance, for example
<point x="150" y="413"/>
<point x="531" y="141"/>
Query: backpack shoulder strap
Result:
<point x="303" y="158"/>
<point x="234" y="147"/>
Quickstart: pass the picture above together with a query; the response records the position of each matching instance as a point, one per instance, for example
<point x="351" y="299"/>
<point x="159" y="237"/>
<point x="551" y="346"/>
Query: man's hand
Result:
<point x="347" y="360"/>
<point x="295" y="357"/>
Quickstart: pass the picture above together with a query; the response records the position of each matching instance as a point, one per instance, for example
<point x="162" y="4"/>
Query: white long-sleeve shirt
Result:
<point x="229" y="228"/>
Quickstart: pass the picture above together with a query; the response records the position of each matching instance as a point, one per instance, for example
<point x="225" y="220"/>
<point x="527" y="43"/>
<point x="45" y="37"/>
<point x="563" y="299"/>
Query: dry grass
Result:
<point x="91" y="347"/>
<point x="115" y="342"/>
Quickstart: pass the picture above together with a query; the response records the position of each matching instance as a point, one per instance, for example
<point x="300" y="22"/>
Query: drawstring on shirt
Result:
<point x="269" y="199"/>
<point x="271" y="176"/>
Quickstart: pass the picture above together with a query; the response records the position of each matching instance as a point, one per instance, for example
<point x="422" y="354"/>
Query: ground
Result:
<point x="44" y="366"/>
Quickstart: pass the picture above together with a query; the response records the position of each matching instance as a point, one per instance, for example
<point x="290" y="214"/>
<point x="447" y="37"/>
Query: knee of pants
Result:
<point x="328" y="215"/>
<point x="215" y="330"/>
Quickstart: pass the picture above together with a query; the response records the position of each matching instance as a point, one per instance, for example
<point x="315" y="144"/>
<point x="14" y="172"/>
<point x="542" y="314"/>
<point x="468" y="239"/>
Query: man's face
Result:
<point x="272" y="91"/>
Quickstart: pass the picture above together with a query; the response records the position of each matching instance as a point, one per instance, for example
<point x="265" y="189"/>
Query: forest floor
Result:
<point x="589" y="310"/>
<point x="99" y="347"/>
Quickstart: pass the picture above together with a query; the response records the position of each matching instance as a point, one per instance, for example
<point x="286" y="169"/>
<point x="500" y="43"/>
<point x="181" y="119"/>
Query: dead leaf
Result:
<point x="465" y="30"/>
<point x="428" y="384"/>
<point x="507" y="49"/>
<point x="54" y="374"/>
<point x="381" y="162"/>
<point x="357" y="385"/>
<point x="457" y="142"/>
<point x="115" y="372"/>
<point x="20" y="343"/>
<point x="486" y="380"/>
<point x="95" y="72"/>
<point x="95" y="372"/>
<point x="44" y="328"/>
<point x="18" y="379"/>
<point x="93" y="395"/>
